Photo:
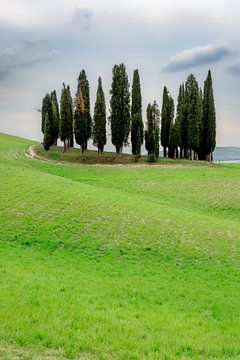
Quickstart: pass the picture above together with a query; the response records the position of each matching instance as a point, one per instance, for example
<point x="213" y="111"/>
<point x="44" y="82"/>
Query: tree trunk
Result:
<point x="64" y="146"/>
<point x="165" y="151"/>
<point x="177" y="153"/>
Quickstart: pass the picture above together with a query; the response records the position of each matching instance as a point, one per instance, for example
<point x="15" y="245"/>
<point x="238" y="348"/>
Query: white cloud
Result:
<point x="197" y="56"/>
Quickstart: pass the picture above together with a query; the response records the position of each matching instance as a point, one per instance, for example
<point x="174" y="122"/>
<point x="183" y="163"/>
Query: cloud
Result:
<point x="23" y="56"/>
<point x="200" y="55"/>
<point x="83" y="17"/>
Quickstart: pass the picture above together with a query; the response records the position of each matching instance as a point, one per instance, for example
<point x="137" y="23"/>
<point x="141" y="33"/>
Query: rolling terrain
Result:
<point x="117" y="262"/>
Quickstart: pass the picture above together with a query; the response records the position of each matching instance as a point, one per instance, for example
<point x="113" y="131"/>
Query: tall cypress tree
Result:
<point x="208" y="137"/>
<point x="120" y="107"/>
<point x="180" y="120"/>
<point x="136" y="115"/>
<point x="192" y="99"/>
<point x="80" y="121"/>
<point x="70" y="109"/>
<point x="47" y="139"/>
<point x="65" y="123"/>
<point x="55" y="115"/>
<point x="99" y="119"/>
<point x="83" y="85"/>
<point x="167" y="116"/>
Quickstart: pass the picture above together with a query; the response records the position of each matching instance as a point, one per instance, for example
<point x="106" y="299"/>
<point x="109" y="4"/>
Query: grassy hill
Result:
<point x="100" y="262"/>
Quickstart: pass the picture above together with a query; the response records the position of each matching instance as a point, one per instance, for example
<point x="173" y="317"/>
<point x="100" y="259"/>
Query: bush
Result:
<point x="151" y="158"/>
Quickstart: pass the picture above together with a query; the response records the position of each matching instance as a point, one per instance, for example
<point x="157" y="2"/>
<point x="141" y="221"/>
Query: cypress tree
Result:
<point x="136" y="107"/>
<point x="99" y="119"/>
<point x="137" y="134"/>
<point x="167" y="116"/>
<point x="173" y="141"/>
<point x="152" y="130"/>
<point x="55" y="115"/>
<point x="149" y="134"/>
<point x="47" y="109"/>
<point x="136" y="115"/>
<point x="192" y="98"/>
<point x="180" y="120"/>
<point x="70" y="141"/>
<point x="208" y="138"/>
<point x="120" y="107"/>
<point x="83" y="85"/>
<point x="80" y="121"/>
<point x="65" y="123"/>
<point x="156" y="130"/>
<point x="47" y="140"/>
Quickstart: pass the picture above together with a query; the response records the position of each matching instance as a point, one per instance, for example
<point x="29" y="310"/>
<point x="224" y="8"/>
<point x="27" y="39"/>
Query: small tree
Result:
<point x="99" y="119"/>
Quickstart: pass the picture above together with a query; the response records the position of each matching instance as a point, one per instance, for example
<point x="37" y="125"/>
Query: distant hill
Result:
<point x="227" y="154"/>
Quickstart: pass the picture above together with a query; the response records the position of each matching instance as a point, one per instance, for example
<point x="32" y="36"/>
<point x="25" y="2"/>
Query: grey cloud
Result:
<point x="234" y="68"/>
<point x="198" y="56"/>
<point x="22" y="56"/>
<point x="83" y="18"/>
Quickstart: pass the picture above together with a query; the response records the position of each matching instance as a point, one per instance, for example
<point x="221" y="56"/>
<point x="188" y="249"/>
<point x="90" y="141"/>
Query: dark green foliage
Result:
<point x="194" y="121"/>
<point x="152" y="130"/>
<point x="180" y="120"/>
<point x="137" y="132"/>
<point x="136" y="95"/>
<point x="70" y="106"/>
<point x="99" y="119"/>
<point x="83" y="85"/>
<point x="80" y="121"/>
<point x="120" y="107"/>
<point x="173" y="140"/>
<point x="208" y="136"/>
<point x="47" y="140"/>
<point x="66" y="113"/>
<point x="55" y="116"/>
<point x="167" y="116"/>
<point x="47" y="109"/>
<point x="80" y="129"/>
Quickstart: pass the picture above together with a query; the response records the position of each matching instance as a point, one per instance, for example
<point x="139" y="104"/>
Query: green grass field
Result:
<point x="121" y="262"/>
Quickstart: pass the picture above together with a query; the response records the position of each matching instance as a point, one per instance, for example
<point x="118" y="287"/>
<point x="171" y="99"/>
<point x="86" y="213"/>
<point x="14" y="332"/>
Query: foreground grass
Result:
<point x="118" y="263"/>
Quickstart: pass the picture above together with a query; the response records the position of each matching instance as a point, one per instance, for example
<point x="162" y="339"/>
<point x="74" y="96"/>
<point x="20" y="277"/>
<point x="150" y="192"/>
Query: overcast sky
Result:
<point x="44" y="43"/>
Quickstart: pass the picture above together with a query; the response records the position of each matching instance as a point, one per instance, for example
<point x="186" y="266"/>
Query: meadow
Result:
<point x="117" y="262"/>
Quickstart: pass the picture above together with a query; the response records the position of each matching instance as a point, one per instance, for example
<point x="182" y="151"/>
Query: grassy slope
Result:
<point x="121" y="263"/>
